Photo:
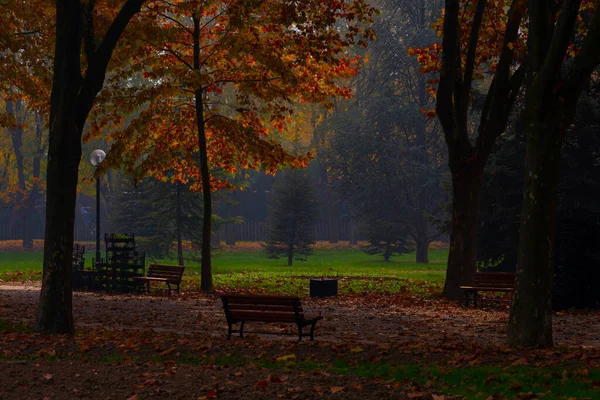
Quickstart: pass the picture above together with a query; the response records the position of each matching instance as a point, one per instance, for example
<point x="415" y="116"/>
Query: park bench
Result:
<point x="489" y="282"/>
<point x="169" y="274"/>
<point x="270" y="309"/>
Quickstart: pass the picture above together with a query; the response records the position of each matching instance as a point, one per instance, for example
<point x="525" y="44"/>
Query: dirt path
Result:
<point x="380" y="329"/>
<point x="378" y="320"/>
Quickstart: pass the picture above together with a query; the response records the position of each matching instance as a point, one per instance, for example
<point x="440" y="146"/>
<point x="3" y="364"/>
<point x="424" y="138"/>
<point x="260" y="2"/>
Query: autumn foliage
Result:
<point x="490" y="42"/>
<point x="257" y="60"/>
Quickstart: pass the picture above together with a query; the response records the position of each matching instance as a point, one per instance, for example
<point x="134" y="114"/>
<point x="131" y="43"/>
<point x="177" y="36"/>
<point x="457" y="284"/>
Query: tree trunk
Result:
<point x="332" y="215"/>
<point x="70" y="103"/>
<point x="462" y="257"/>
<point x="179" y="229"/>
<point x="422" y="252"/>
<point x="55" y="313"/>
<point x="290" y="256"/>
<point x="205" y="269"/>
<point x="353" y="232"/>
<point x="530" y="322"/>
<point x="230" y="234"/>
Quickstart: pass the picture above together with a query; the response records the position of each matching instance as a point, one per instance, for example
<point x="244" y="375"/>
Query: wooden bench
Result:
<point x="169" y="274"/>
<point x="489" y="282"/>
<point x="272" y="309"/>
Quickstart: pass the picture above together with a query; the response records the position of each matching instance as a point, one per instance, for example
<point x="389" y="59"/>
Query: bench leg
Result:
<point x="148" y="287"/>
<point x="312" y="331"/>
<point x="229" y="332"/>
<point x="466" y="299"/>
<point x="168" y="289"/>
<point x="475" y="299"/>
<point x="242" y="329"/>
<point x="299" y="332"/>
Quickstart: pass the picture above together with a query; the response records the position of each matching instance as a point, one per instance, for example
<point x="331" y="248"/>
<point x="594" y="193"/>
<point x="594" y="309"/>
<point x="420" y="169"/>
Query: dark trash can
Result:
<point x="323" y="287"/>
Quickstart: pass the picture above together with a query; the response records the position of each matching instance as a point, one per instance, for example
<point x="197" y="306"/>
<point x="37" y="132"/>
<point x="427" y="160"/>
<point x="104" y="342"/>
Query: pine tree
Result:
<point x="151" y="211"/>
<point x="293" y="213"/>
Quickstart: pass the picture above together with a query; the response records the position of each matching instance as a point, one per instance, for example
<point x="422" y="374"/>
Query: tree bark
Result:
<point x="55" y="314"/>
<point x="530" y="322"/>
<point x="70" y="103"/>
<point x="550" y="108"/>
<point x="422" y="252"/>
<point x="462" y="258"/>
<point x="206" y="268"/>
<point x="16" y="132"/>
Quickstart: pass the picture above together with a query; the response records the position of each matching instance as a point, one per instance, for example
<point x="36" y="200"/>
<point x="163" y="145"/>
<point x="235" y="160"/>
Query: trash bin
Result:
<point x="323" y="287"/>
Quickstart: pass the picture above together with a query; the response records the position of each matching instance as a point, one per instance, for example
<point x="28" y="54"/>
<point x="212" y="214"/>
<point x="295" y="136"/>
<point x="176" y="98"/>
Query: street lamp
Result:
<point x="96" y="158"/>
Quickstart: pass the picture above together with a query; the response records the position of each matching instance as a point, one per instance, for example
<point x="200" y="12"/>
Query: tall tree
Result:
<point x="476" y="34"/>
<point x="554" y="85"/>
<point x="222" y="77"/>
<point x="29" y="143"/>
<point x="380" y="142"/>
<point x="292" y="217"/>
<point x="75" y="84"/>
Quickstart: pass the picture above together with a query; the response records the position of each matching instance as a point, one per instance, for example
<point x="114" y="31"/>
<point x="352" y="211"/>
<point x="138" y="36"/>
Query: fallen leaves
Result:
<point x="288" y="357"/>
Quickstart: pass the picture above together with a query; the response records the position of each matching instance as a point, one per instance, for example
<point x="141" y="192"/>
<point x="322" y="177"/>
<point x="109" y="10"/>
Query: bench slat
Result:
<point x="258" y="307"/>
<point x="489" y="282"/>
<point x="266" y="301"/>
<point x="170" y="274"/>
<point x="262" y="316"/>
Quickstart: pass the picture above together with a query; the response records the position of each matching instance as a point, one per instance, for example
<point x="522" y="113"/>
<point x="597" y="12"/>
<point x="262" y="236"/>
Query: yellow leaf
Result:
<point x="286" y="358"/>
<point x="335" y="389"/>
<point x="520" y="361"/>
<point x="357" y="349"/>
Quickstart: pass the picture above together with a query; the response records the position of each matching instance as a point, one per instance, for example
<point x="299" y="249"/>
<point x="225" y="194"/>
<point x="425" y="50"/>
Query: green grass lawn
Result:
<point x="252" y="271"/>
<point x="349" y="262"/>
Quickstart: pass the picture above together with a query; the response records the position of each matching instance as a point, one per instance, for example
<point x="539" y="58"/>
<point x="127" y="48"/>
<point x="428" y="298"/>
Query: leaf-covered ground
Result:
<point x="367" y="347"/>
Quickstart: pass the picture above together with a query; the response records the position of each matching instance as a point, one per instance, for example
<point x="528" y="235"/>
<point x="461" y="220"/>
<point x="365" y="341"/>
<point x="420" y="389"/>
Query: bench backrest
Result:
<point x="495" y="279"/>
<point x="170" y="272"/>
<point x="263" y="308"/>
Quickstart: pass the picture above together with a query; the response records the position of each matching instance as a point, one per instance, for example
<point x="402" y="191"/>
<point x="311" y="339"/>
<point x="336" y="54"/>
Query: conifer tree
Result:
<point x="293" y="213"/>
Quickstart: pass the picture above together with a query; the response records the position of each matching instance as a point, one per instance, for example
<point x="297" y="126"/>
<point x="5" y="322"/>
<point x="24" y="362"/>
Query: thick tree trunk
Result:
<point x="422" y="252"/>
<point x="462" y="258"/>
<point x="55" y="313"/>
<point x="206" y="268"/>
<point x="530" y="322"/>
<point x="70" y="103"/>
<point x="179" y="229"/>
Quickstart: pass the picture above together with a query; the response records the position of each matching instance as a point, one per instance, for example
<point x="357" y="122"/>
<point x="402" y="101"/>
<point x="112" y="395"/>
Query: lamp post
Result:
<point x="96" y="158"/>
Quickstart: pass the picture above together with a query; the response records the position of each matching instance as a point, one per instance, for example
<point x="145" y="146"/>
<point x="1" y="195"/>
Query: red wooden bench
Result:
<point x="489" y="282"/>
<point x="272" y="309"/>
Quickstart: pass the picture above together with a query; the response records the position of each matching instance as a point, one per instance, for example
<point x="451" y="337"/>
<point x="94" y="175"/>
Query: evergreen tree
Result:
<point x="159" y="213"/>
<point x="293" y="213"/>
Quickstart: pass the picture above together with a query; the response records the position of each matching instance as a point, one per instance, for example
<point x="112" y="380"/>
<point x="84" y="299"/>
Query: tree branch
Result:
<point x="560" y="40"/>
<point x="471" y="50"/>
<point x="89" y="41"/>
<point x="94" y="77"/>
<point x="449" y="70"/>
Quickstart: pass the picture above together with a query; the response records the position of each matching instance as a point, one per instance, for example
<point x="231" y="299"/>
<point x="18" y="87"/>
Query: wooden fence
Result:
<point x="246" y="232"/>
